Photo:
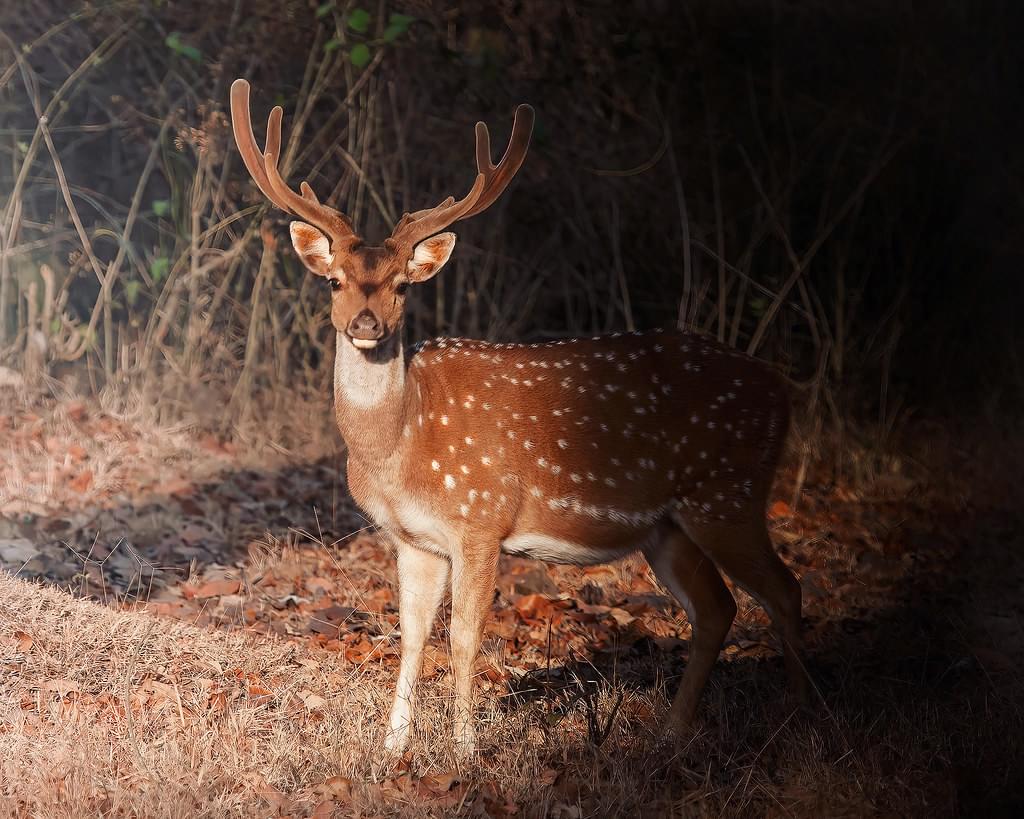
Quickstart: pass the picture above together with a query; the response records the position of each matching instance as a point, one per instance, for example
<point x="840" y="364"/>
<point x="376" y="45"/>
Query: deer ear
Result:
<point x="429" y="256"/>
<point x="313" y="248"/>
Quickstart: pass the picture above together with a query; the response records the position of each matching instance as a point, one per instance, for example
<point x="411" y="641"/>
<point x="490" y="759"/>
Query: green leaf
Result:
<point x="131" y="291"/>
<point x="174" y="43"/>
<point x="359" y="55"/>
<point x="332" y="45"/>
<point x="161" y="207"/>
<point x="359" y="20"/>
<point x="324" y="9"/>
<point x="55" y="325"/>
<point x="159" y="268"/>
<point x="398" y="24"/>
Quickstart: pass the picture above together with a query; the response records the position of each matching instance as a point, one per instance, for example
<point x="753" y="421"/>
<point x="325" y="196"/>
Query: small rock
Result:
<point x="17" y="550"/>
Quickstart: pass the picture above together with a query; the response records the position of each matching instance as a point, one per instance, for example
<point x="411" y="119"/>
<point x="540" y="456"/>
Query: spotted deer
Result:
<point x="574" y="451"/>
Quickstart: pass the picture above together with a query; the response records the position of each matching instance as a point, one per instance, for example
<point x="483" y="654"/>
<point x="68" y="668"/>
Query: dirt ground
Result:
<point x="256" y="612"/>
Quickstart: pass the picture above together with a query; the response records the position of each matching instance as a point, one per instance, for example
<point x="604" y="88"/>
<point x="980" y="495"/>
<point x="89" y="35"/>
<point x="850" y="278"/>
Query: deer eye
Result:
<point x="335" y="284"/>
<point x="402" y="288"/>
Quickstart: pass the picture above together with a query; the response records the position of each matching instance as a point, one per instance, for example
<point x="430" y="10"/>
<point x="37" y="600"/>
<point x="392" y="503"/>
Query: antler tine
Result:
<point x="490" y="182"/>
<point x="262" y="165"/>
<point x="241" y="124"/>
<point x="417" y="226"/>
<point x="498" y="176"/>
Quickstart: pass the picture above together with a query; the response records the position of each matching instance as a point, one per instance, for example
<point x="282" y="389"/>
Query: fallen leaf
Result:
<point x="440" y="782"/>
<point x="76" y="410"/>
<point x="338" y="788"/>
<point x="502" y="625"/>
<point x="193" y="534"/>
<point x="621" y="616"/>
<point x="394" y="789"/>
<point x="325" y="809"/>
<point x="780" y="509"/>
<point x="61" y="686"/>
<point x="434" y="660"/>
<point x="275" y="798"/>
<point x="319" y="584"/>
<point x="535" y="580"/>
<point x="380" y="600"/>
<point x="312" y="701"/>
<point x="259" y="694"/>
<point x="444" y="790"/>
<point x="82" y="481"/>
<point x="216" y="588"/>
<point x="534" y="607"/>
<point x="178" y="487"/>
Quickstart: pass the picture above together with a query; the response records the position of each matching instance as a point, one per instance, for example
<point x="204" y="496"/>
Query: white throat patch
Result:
<point x="363" y="383"/>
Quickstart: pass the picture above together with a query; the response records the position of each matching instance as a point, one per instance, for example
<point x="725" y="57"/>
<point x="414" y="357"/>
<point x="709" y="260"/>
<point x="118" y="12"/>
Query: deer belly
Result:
<point x="556" y="550"/>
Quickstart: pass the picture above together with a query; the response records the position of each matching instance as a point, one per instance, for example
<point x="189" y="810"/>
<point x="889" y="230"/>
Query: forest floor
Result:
<point x="198" y="627"/>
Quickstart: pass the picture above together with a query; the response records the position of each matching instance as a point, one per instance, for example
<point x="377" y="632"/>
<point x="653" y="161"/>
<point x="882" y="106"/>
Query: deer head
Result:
<point x="370" y="283"/>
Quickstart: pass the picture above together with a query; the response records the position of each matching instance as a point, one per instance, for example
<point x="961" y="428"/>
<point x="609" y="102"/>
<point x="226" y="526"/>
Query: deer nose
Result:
<point x="365" y="326"/>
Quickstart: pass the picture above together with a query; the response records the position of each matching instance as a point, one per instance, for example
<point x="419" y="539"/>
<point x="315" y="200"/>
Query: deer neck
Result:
<point x="371" y="399"/>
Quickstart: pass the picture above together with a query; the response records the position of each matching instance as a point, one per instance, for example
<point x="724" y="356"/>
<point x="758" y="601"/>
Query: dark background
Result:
<point x="687" y="158"/>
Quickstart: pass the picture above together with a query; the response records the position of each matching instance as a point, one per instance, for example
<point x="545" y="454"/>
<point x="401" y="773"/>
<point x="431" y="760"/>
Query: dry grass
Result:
<point x="123" y="713"/>
<point x="116" y="713"/>
<point x="914" y="645"/>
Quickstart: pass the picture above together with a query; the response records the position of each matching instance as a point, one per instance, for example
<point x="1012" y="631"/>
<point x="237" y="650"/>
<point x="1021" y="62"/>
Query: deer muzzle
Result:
<point x="365" y="330"/>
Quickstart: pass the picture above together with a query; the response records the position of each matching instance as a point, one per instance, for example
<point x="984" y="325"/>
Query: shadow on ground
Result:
<point x="921" y="666"/>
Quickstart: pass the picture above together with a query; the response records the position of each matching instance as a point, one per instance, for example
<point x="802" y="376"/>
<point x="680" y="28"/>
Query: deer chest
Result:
<point x="399" y="512"/>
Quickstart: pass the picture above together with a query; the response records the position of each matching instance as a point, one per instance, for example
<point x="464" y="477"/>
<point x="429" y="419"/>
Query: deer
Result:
<point x="577" y="451"/>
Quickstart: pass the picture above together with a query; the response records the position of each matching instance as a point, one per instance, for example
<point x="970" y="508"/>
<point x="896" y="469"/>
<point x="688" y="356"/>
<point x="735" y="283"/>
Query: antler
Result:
<point x="490" y="182"/>
<point x="262" y="166"/>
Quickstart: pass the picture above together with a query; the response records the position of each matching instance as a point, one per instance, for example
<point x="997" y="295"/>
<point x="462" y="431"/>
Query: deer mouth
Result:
<point x="367" y="339"/>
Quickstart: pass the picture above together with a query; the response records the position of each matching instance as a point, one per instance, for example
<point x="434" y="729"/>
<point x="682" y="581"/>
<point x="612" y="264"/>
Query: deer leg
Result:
<point x="746" y="554"/>
<point x="421" y="581"/>
<point x="473" y="578"/>
<point x="694" y="581"/>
